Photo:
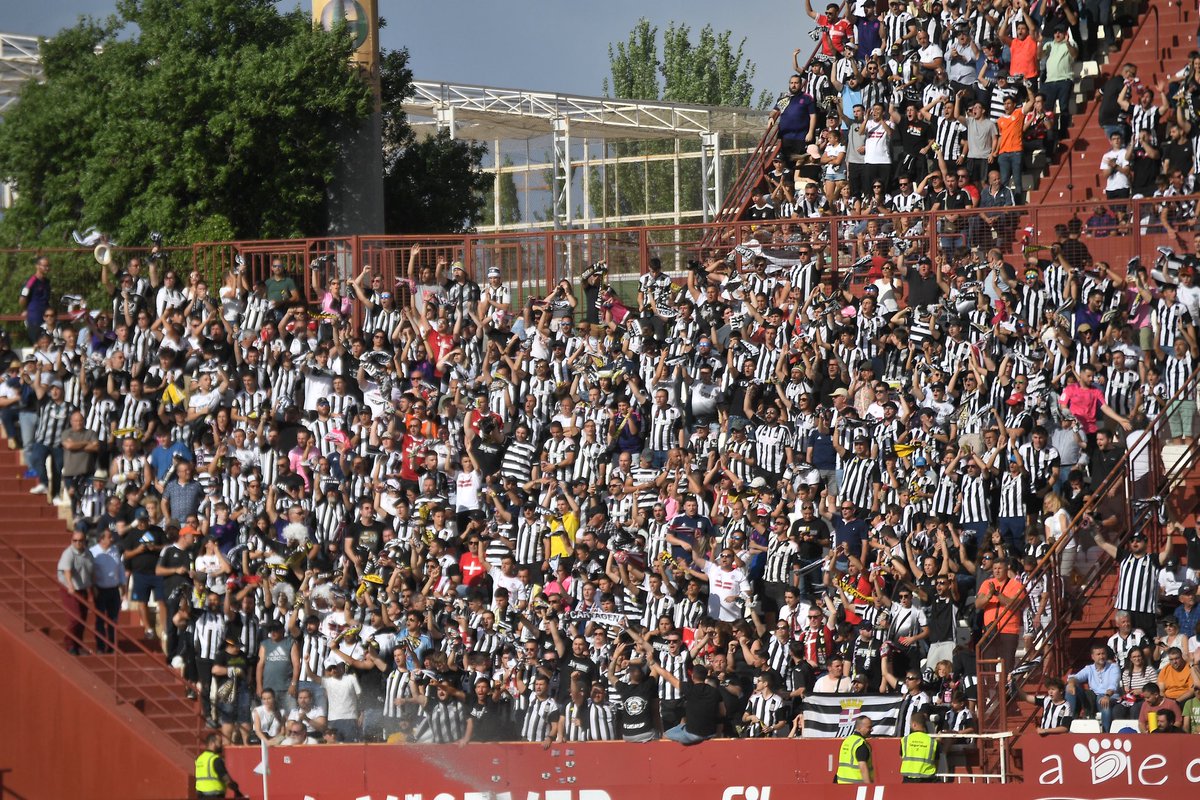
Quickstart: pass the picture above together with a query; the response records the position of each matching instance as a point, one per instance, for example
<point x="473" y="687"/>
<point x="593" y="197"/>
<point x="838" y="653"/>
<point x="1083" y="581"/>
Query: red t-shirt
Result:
<point x="834" y="39"/>
<point x="408" y="446"/>
<point x="439" y="345"/>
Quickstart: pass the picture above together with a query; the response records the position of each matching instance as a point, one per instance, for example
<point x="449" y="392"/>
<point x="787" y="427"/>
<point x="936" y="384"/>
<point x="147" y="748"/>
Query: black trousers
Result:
<point x="204" y="677"/>
<point x="671" y="712"/>
<point x="108" y="604"/>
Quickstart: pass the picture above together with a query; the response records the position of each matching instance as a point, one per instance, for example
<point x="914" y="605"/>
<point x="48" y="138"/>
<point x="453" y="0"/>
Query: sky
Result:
<point x="542" y="45"/>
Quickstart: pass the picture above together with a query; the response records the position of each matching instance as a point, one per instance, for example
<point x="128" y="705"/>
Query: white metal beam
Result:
<point x="19" y="63"/>
<point x="487" y="113"/>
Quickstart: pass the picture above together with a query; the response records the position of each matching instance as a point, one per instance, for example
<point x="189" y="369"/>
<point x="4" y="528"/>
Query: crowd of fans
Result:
<point x="949" y="106"/>
<point x="421" y="510"/>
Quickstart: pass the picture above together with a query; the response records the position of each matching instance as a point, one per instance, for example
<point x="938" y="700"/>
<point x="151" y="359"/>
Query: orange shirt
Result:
<point x="1012" y="589"/>
<point x="1012" y="128"/>
<point x="1024" y="57"/>
<point x="1175" y="682"/>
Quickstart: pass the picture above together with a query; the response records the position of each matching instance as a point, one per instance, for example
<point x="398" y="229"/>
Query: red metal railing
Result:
<point x="531" y="263"/>
<point x="131" y="671"/>
<point x="1119" y="495"/>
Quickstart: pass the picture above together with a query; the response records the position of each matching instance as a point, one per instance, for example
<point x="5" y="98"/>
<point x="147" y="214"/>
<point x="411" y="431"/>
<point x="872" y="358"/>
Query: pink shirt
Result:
<point x="1084" y="403"/>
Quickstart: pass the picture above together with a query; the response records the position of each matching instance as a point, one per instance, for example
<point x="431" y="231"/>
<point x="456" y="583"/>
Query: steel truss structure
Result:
<point x="490" y="114"/>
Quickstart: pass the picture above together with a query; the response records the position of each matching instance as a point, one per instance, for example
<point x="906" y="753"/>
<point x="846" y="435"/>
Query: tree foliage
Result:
<point x="431" y="184"/>
<point x="707" y="70"/>
<point x="510" y="200"/>
<point x="198" y="118"/>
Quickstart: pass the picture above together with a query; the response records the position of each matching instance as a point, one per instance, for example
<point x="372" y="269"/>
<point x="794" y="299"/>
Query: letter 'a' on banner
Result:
<point x="362" y="19"/>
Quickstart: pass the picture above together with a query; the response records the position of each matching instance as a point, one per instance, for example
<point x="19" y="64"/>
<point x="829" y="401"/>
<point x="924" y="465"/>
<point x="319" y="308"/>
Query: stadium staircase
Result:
<point x="1082" y="612"/>
<point x="1158" y="43"/>
<point x="32" y="537"/>
<point x="1159" y="46"/>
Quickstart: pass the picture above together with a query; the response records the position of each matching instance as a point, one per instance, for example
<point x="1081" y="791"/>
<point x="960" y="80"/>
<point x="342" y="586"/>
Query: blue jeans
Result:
<point x="659" y="459"/>
<point x="681" y="734"/>
<point x="1010" y="167"/>
<point x="39" y="453"/>
<point x="1106" y="714"/>
<point x="1013" y="531"/>
<point x="9" y="417"/>
<point x="1109" y="130"/>
<point x="27" y="421"/>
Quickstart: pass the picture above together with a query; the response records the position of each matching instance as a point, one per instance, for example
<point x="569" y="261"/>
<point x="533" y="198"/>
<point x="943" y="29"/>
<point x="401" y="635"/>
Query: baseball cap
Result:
<point x="840" y="393"/>
<point x="1015" y="399"/>
<point x="189" y="530"/>
<point x="493" y="273"/>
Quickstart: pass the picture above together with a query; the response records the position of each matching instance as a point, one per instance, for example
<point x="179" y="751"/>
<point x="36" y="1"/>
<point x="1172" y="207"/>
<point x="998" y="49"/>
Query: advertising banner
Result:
<point x="762" y="769"/>
<point x="1115" y="763"/>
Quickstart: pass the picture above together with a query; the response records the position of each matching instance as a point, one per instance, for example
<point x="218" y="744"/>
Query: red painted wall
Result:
<point x="64" y="738"/>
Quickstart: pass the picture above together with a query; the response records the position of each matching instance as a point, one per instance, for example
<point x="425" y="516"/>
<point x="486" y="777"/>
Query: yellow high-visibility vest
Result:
<point x="207" y="781"/>
<point x="848" y="770"/>
<point x="918" y="756"/>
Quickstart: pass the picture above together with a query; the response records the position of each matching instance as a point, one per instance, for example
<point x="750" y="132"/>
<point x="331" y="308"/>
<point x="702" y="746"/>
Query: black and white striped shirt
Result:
<point x="601" y="722"/>
<point x="1012" y="494"/>
<point x="1137" y="583"/>
<point x="398" y="685"/>
<point x="858" y="481"/>
<point x="314" y="649"/>
<point x="52" y="421"/>
<point x="664" y="422"/>
<point x="444" y="723"/>
<point x="771" y="444"/>
<point x="1055" y="715"/>
<point x="540" y="717"/>
<point x="134" y="413"/>
<point x="767" y="708"/>
<point x="208" y="632"/>
<point x="677" y="665"/>
<point x="517" y="461"/>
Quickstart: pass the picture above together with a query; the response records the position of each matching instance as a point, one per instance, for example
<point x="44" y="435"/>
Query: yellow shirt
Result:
<point x="560" y="546"/>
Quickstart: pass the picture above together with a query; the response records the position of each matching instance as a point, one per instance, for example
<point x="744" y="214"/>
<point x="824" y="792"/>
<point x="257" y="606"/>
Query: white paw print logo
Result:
<point x="1108" y="758"/>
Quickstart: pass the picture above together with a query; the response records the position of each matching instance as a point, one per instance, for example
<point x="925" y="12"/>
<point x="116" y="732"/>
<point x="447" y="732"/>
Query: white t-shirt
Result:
<point x="467" y="491"/>
<point x="342" y="696"/>
<point x="877" y="144"/>
<point x="204" y="402"/>
<point x="1056" y="526"/>
<point x="926" y="55"/>
<point x="1117" y="180"/>
<point x="723" y="584"/>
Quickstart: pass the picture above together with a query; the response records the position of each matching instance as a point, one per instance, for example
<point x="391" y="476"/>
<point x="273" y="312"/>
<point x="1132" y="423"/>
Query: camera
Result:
<point x="320" y="262"/>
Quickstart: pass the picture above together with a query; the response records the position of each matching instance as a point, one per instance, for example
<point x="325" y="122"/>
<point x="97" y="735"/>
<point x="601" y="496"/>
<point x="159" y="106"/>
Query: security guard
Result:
<point x="212" y="779"/>
<point x="918" y="752"/>
<point x="854" y="758"/>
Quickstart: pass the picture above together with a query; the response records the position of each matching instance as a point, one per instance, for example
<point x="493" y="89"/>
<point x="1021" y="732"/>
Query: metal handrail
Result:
<point x="37" y="583"/>
<point x="1064" y="609"/>
<point x="739" y="194"/>
<point x="1001" y="739"/>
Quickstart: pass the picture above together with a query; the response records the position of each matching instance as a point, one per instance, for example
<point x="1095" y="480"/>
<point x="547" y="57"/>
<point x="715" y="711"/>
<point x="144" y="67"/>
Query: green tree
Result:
<point x="510" y="200"/>
<point x="709" y="71"/>
<point x="198" y="118"/>
<point x="433" y="184"/>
